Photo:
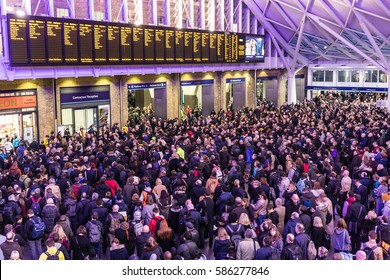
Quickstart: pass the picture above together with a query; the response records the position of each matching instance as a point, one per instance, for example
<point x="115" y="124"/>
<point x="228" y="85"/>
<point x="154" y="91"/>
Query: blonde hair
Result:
<point x="222" y="234"/>
<point x="60" y="231"/>
<point x="244" y="219"/>
<point x="317" y="222"/>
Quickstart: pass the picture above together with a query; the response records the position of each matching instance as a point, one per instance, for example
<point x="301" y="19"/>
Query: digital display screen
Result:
<point x="39" y="41"/>
<point x="169" y="45"/>
<point x="113" y="43"/>
<point x="54" y="41"/>
<point x="86" y="40"/>
<point x="100" y="42"/>
<point x="179" y="46"/>
<point x="17" y="29"/>
<point x="205" y="46"/>
<point x="159" y="42"/>
<point x="254" y="48"/>
<point x="126" y="49"/>
<point x="37" y="37"/>
<point x="149" y="44"/>
<point x="138" y="44"/>
<point x="71" y="55"/>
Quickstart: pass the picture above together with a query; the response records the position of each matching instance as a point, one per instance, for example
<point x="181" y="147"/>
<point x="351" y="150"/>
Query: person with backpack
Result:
<point x="247" y="248"/>
<point x="291" y="251"/>
<point x="50" y="215"/>
<point x="35" y="229"/>
<point x="303" y="240"/>
<point x="52" y="253"/>
<point x="95" y="234"/>
<point x="154" y="224"/>
<point x="114" y="220"/>
<point x="235" y="230"/>
<point x="371" y="248"/>
<point x="11" y="210"/>
<point x="267" y="252"/>
<point x="36" y="202"/>
<point x="383" y="233"/>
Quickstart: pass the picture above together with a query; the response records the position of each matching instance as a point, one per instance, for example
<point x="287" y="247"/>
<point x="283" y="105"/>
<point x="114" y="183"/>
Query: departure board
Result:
<point x="228" y="48"/>
<point x="213" y="47"/>
<point x="138" y="44"/>
<point x="160" y="45"/>
<point x="37" y="46"/>
<point x="70" y="30"/>
<point x="197" y="51"/>
<point x="149" y="44"/>
<point x="179" y="46"/>
<point x="220" y="47"/>
<point x="39" y="41"/>
<point x="188" y="46"/>
<point x="113" y="43"/>
<point x="86" y="41"/>
<point x="205" y="46"/>
<point x="100" y="42"/>
<point x="169" y="45"/>
<point x="17" y="28"/>
<point x="54" y="41"/>
<point x="126" y="49"/>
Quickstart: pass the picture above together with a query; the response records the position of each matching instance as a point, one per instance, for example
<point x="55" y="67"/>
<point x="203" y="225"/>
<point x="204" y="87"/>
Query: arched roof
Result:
<point x="328" y="31"/>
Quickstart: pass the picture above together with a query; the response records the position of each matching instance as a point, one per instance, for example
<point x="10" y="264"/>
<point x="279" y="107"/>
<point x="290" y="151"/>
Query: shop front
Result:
<point x="150" y="97"/>
<point x="198" y="96"/>
<point x="84" y="106"/>
<point x="18" y="114"/>
<point x="235" y="93"/>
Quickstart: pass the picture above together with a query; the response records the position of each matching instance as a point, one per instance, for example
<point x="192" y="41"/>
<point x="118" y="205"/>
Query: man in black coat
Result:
<point x="141" y="239"/>
<point x="354" y="218"/>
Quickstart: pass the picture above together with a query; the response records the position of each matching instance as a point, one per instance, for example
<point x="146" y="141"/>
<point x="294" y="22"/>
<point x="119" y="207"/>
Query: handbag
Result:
<point x="328" y="217"/>
<point x="203" y="219"/>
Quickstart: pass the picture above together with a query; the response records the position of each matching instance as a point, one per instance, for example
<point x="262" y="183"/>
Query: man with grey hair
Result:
<point x="114" y="220"/>
<point x="246" y="249"/>
<point x="54" y="188"/>
<point x="291" y="251"/>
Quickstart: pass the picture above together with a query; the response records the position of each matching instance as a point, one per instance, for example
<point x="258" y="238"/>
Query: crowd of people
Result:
<point x="306" y="181"/>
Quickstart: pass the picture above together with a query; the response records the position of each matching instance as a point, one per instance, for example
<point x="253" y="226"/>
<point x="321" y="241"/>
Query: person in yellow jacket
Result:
<point x="52" y="253"/>
<point x="180" y="152"/>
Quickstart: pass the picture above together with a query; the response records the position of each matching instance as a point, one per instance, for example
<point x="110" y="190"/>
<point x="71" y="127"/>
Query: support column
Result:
<point x="125" y="11"/>
<point x="51" y="8"/>
<point x="291" y="89"/>
<point x="72" y="13"/>
<point x="108" y="10"/>
<point x="27" y="6"/>
<point x="154" y="13"/>
<point x="388" y="93"/>
<point x="179" y="13"/>
<point x="91" y="9"/>
<point x="201" y="14"/>
<point x="167" y="12"/>
<point x="3" y="7"/>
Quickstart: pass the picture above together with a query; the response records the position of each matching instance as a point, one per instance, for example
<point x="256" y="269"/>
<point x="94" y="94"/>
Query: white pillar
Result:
<point x="125" y="11"/>
<point x="291" y="89"/>
<point x="167" y="12"/>
<point x="3" y="7"/>
<point x="154" y="12"/>
<point x="72" y="12"/>
<point x="51" y="8"/>
<point x="388" y="93"/>
<point x="91" y="10"/>
<point x="27" y="6"/>
<point x="108" y="10"/>
<point x="201" y="14"/>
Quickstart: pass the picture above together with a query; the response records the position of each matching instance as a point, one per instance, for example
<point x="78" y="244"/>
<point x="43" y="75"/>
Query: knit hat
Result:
<point x="137" y="215"/>
<point x="307" y="204"/>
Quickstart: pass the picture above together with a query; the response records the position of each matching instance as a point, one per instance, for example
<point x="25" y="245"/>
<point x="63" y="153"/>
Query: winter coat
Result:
<point x="221" y="249"/>
<point x="119" y="253"/>
<point x="246" y="249"/>
<point x="50" y="216"/>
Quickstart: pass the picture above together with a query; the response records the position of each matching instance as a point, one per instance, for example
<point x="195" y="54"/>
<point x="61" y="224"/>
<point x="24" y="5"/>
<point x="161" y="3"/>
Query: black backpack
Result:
<point x="9" y="213"/>
<point x="370" y="255"/>
<point x="296" y="253"/>
<point x="54" y="257"/>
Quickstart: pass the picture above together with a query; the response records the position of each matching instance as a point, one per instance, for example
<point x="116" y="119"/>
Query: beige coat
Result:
<point x="246" y="249"/>
<point x="281" y="210"/>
